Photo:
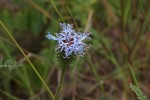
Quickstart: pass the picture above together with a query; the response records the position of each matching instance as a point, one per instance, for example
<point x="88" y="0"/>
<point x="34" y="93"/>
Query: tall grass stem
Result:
<point x="60" y="83"/>
<point x="52" y="2"/>
<point x="101" y="87"/>
<point x="73" y="18"/>
<point x="51" y="94"/>
<point x="140" y="4"/>
<point x="133" y="75"/>
<point x="9" y="95"/>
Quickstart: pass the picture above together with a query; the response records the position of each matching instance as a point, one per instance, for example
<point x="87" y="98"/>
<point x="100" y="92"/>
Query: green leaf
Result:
<point x="138" y="92"/>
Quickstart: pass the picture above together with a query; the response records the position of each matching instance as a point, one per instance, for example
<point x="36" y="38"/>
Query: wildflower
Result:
<point x="69" y="41"/>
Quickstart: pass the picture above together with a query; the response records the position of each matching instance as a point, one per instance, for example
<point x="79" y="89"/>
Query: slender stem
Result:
<point x="27" y="82"/>
<point x="97" y="77"/>
<point x="9" y="95"/>
<point x="140" y="4"/>
<point x="5" y="49"/>
<point x="57" y="10"/>
<point x="60" y="83"/>
<point x="51" y="94"/>
<point x="73" y="18"/>
<point x="133" y="75"/>
<point x="40" y="9"/>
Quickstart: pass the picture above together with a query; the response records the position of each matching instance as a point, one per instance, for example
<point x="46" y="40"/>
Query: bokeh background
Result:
<point x="120" y="37"/>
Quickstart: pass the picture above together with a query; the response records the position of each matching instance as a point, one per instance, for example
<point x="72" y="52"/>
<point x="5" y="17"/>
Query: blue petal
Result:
<point x="51" y="37"/>
<point x="66" y="28"/>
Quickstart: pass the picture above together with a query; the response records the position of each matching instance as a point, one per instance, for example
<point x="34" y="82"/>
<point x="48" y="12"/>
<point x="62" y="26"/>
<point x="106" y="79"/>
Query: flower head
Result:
<point x="69" y="41"/>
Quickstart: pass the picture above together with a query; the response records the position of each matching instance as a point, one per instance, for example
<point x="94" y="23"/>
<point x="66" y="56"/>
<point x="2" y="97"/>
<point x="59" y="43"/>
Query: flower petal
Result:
<point x="51" y="37"/>
<point x="70" y="41"/>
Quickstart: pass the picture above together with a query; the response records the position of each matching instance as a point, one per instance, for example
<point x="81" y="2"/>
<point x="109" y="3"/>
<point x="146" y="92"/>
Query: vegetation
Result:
<point x="116" y="67"/>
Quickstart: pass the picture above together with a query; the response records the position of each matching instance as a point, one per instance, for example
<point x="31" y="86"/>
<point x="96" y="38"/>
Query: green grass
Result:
<point x="119" y="54"/>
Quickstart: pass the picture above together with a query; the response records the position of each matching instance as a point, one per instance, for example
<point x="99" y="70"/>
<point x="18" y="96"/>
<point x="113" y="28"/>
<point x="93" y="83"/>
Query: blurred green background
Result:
<point x="120" y="36"/>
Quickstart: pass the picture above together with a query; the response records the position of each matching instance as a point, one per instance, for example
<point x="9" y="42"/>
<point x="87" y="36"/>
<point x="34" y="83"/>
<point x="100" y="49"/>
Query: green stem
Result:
<point x="51" y="94"/>
<point x="57" y="10"/>
<point x="33" y="4"/>
<point x="140" y="3"/>
<point x="5" y="49"/>
<point x="73" y="18"/>
<point x="97" y="77"/>
<point x="7" y="81"/>
<point x="27" y="82"/>
<point x="133" y="75"/>
<point x="9" y="95"/>
<point x="60" y="83"/>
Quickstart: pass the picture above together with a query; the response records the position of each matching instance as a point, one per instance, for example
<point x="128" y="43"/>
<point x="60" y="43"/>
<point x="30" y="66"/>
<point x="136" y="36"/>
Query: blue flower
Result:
<point x="69" y="41"/>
